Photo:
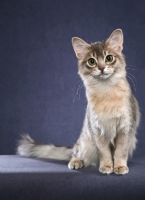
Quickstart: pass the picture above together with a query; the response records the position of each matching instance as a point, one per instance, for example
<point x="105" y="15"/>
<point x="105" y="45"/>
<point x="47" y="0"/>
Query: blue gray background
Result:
<point x="38" y="67"/>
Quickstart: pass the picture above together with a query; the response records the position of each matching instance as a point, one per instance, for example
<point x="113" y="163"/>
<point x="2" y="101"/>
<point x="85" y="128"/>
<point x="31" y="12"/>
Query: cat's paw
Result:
<point x="106" y="169"/>
<point x="121" y="170"/>
<point x="75" y="164"/>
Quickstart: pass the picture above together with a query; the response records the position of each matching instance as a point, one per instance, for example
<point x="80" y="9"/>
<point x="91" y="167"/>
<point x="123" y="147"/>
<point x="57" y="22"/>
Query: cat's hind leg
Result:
<point x="84" y="154"/>
<point x="75" y="163"/>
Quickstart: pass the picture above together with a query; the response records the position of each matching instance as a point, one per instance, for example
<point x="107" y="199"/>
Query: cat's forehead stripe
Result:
<point x="98" y="49"/>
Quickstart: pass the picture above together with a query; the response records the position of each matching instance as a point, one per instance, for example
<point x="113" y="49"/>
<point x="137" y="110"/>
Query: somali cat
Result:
<point x="108" y="135"/>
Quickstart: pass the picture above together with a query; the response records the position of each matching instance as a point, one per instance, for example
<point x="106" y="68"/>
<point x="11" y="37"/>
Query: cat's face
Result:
<point x="100" y="60"/>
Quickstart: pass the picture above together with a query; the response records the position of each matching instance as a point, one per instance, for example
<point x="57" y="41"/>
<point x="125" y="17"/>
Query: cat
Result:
<point x="108" y="134"/>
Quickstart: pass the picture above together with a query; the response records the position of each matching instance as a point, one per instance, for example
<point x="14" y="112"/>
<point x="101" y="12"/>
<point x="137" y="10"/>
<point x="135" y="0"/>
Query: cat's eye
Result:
<point x="92" y="62"/>
<point x="109" y="58"/>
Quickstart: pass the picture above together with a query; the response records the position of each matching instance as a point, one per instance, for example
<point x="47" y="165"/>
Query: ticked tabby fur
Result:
<point x="108" y="134"/>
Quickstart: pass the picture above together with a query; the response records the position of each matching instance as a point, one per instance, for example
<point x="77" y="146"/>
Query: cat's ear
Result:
<point x="80" y="47"/>
<point x="115" y="41"/>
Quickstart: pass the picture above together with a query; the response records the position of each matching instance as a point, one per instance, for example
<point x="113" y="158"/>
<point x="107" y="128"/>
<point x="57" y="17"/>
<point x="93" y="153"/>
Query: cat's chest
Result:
<point x="108" y="103"/>
<point x="104" y="126"/>
<point x="104" y="123"/>
<point x="108" y="109"/>
<point x="108" y="117"/>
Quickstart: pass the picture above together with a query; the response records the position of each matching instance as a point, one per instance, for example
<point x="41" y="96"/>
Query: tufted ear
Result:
<point x="80" y="47"/>
<point x="115" y="41"/>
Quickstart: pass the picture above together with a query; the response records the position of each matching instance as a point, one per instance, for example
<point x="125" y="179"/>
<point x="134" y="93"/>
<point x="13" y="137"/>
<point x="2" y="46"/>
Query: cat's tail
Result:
<point x="29" y="148"/>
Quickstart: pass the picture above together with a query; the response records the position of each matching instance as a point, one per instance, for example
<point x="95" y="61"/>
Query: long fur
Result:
<point x="108" y="135"/>
<point x="29" y="148"/>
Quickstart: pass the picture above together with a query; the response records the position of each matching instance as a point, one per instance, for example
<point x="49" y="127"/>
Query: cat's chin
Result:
<point x="102" y="76"/>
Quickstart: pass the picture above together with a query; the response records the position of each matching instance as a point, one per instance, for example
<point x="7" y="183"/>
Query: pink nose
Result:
<point x="102" y="69"/>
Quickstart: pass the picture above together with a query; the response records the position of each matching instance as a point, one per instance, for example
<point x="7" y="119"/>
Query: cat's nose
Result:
<point x="101" y="68"/>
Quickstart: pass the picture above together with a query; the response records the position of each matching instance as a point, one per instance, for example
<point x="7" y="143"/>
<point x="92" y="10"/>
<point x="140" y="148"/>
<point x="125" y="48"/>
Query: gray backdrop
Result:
<point x="38" y="68"/>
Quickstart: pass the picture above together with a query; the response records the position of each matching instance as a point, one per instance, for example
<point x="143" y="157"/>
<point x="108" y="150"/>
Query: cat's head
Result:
<point x="102" y="60"/>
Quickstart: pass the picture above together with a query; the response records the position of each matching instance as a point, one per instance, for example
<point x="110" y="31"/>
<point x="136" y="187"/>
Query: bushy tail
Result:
<point x="29" y="148"/>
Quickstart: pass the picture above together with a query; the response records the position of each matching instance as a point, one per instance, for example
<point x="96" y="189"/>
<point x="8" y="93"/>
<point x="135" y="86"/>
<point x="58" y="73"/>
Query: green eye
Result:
<point x="92" y="62"/>
<point x="109" y="58"/>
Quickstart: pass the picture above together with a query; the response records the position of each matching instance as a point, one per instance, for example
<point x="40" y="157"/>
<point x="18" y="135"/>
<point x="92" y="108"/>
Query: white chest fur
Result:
<point x="109" y="123"/>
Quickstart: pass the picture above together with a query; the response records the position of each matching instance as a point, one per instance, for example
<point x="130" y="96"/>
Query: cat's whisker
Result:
<point x="76" y="83"/>
<point x="132" y="66"/>
<point x="80" y="90"/>
<point x="79" y="87"/>
<point x="131" y="69"/>
<point x="132" y="76"/>
<point x="132" y="82"/>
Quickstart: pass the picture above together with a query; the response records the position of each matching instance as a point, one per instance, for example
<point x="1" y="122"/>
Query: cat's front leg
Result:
<point x="105" y="157"/>
<point x="121" y="154"/>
